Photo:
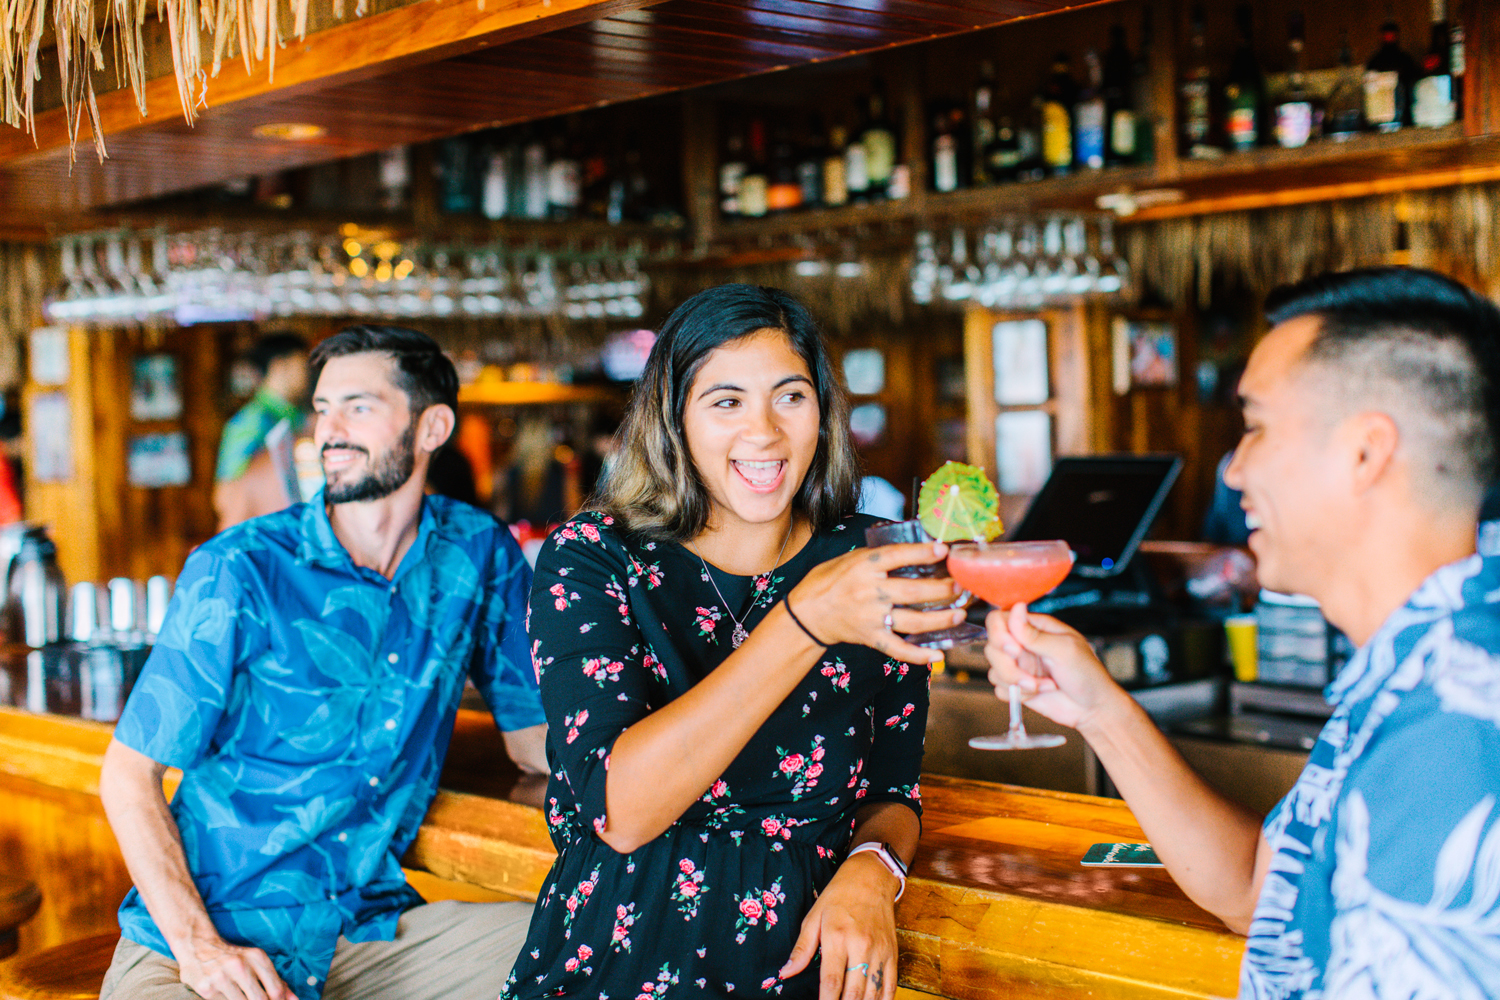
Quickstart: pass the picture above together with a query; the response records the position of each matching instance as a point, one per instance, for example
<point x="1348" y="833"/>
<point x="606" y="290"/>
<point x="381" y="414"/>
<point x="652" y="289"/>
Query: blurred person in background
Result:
<point x="247" y="483"/>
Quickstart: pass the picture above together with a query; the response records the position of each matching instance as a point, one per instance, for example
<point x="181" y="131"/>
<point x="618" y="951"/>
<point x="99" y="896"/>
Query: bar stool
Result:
<point x="71" y="971"/>
<point x="19" y="899"/>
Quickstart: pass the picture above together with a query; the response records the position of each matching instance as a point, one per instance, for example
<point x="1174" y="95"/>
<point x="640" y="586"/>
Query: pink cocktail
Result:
<point x="1005" y="574"/>
<point x="1009" y="572"/>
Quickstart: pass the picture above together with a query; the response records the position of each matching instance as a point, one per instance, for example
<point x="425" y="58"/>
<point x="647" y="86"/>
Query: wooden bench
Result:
<point x="72" y="971"/>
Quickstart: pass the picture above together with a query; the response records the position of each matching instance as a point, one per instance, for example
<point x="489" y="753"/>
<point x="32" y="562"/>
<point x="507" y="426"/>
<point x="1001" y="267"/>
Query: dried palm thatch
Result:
<point x="252" y="27"/>
<point x="1453" y="230"/>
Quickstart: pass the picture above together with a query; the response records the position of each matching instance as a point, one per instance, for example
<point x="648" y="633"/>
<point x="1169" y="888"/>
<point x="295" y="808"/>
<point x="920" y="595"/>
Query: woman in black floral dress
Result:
<point x="731" y="710"/>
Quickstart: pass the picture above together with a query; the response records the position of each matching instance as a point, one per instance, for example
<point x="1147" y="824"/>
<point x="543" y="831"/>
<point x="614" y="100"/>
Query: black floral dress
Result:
<point x="620" y="627"/>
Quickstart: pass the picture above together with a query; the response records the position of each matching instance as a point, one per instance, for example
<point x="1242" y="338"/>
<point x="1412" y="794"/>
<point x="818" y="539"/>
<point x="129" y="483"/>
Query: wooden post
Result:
<point x="1165" y="16"/>
<point x="700" y="168"/>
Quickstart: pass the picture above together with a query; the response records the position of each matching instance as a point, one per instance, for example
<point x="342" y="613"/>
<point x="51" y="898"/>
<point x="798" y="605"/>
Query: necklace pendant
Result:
<point x="738" y="637"/>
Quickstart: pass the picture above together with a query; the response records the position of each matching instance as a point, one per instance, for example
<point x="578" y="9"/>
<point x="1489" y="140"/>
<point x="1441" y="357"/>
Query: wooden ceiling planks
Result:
<point x="380" y="82"/>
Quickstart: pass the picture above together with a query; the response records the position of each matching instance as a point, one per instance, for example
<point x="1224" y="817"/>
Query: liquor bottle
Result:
<point x="1243" y="87"/>
<point x="982" y="123"/>
<point x="639" y="204"/>
<point x="732" y="167"/>
<point x="1457" y="60"/>
<point x="1388" y="79"/>
<point x="1432" y="97"/>
<point x="1059" y="93"/>
<point x="457" y="184"/>
<point x="1002" y="157"/>
<point x="755" y="185"/>
<point x="1029" y="141"/>
<point x="810" y="163"/>
<point x="1345" y="113"/>
<point x="1090" y="118"/>
<point x="534" y="178"/>
<point x="879" y="141"/>
<point x="564" y="174"/>
<point x="1142" y="93"/>
<point x="1299" y="114"/>
<point x="835" y="168"/>
<point x="1119" y="99"/>
<point x="857" y="168"/>
<point x="948" y="167"/>
<point x="784" y="190"/>
<point x="494" y="198"/>
<point x="1196" y="92"/>
<point x="395" y="177"/>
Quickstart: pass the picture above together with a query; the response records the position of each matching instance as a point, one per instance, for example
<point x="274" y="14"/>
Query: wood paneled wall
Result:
<point x="105" y="527"/>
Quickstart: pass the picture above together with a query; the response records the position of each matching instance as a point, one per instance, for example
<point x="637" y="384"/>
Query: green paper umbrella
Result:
<point x="959" y="502"/>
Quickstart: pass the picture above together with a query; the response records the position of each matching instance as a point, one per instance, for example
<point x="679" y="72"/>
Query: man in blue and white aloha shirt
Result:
<point x="1370" y="435"/>
<point x="305" y="681"/>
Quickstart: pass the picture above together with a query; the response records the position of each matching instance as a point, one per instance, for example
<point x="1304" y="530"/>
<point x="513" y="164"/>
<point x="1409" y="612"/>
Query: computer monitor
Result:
<point x="1102" y="506"/>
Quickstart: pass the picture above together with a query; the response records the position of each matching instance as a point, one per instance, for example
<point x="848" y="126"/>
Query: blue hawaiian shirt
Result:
<point x="1385" y="880"/>
<point x="309" y="703"/>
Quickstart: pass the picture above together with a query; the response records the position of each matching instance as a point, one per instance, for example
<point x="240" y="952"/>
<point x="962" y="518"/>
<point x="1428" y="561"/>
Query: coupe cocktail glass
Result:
<point x="1004" y="574"/>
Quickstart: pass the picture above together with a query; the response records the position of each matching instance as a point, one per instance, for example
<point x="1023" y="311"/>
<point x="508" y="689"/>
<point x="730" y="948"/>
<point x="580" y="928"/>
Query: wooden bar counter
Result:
<point x="997" y="904"/>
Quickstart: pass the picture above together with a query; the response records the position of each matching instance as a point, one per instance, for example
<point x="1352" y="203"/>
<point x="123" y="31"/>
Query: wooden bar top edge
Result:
<point x="972" y="942"/>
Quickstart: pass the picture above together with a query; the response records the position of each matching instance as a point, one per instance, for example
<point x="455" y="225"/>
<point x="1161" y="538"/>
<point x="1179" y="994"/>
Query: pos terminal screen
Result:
<point x="1102" y="506"/>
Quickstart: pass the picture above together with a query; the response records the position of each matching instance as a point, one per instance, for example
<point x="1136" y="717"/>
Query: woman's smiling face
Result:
<point x="751" y="423"/>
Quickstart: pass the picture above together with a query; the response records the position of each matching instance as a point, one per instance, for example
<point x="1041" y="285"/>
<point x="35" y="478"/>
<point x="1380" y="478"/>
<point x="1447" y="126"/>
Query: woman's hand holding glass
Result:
<point x="1053" y="665"/>
<point x="853" y="599"/>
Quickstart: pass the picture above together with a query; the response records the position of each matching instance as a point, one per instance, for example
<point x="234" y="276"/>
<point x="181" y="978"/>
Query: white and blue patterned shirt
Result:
<point x="1385" y="881"/>
<point x="309" y="703"/>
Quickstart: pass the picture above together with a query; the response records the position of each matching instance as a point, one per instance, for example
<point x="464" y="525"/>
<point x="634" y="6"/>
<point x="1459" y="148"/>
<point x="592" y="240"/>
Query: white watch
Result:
<point x="887" y="857"/>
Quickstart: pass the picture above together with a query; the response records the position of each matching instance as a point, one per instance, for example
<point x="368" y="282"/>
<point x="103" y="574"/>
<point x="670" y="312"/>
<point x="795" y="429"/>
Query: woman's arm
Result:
<point x="854" y="919"/>
<point x="664" y="762"/>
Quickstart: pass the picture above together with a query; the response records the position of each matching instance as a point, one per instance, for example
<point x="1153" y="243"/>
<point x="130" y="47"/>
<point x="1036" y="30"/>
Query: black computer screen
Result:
<point x="1102" y="506"/>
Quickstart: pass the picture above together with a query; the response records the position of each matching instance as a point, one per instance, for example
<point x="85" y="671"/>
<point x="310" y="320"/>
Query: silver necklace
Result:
<point x="740" y="633"/>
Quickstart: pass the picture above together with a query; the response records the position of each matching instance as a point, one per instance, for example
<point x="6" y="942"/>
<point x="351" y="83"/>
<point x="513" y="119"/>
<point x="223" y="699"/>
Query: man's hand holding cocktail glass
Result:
<point x="1054" y="666"/>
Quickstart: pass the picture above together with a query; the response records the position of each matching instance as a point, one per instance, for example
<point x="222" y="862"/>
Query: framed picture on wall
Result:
<point x="155" y="391"/>
<point x="159" y="460"/>
<point x="1020" y="362"/>
<point x="1145" y="354"/>
<point x="50" y="424"/>
<point x="864" y="371"/>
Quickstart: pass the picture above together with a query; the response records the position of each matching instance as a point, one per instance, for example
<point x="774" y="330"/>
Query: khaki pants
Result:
<point x="443" y="951"/>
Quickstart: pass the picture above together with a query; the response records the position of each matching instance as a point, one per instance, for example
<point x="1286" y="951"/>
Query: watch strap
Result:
<point x="887" y="857"/>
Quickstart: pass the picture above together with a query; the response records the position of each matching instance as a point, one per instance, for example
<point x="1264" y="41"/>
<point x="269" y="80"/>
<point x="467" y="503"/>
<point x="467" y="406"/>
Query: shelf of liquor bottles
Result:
<point x="1178" y="107"/>
<point x="1182" y="108"/>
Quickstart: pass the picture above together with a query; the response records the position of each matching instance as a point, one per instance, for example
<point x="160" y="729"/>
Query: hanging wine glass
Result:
<point x="1114" y="272"/>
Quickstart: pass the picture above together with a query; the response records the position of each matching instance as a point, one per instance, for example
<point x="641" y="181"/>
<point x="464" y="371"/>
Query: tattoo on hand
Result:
<point x="875" y="557"/>
<point x="879" y="977"/>
<point x="881" y="595"/>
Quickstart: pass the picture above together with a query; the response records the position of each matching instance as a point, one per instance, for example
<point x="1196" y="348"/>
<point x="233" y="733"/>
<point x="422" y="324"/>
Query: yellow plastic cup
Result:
<point x="1242" y="631"/>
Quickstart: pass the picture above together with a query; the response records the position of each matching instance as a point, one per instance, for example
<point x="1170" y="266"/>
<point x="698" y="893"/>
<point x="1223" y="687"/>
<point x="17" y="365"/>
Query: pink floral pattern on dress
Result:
<point x="689" y="888"/>
<point x="757" y="907"/>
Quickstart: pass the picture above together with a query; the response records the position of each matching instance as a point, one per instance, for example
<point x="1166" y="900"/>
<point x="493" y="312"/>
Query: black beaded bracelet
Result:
<point x="805" y="630"/>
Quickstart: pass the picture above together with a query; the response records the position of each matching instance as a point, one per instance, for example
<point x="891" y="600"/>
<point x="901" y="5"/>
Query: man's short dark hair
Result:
<point x="274" y="346"/>
<point x="1419" y="345"/>
<point x="422" y="370"/>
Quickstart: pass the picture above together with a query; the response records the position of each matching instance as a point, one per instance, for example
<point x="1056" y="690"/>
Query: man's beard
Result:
<point x="391" y="471"/>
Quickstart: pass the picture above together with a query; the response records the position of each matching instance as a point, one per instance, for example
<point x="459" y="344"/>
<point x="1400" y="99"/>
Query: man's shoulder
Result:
<point x="278" y="534"/>
<point x="458" y="520"/>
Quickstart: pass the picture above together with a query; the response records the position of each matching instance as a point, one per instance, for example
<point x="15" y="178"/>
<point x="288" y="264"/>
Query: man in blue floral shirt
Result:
<point x="305" y="682"/>
<point x="1371" y="411"/>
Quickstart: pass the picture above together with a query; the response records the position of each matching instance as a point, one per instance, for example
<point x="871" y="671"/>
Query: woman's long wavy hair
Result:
<point x="654" y="489"/>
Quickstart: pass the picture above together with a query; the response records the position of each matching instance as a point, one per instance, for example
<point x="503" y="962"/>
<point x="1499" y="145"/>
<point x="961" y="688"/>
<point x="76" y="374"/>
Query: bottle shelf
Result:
<point x="1364" y="165"/>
